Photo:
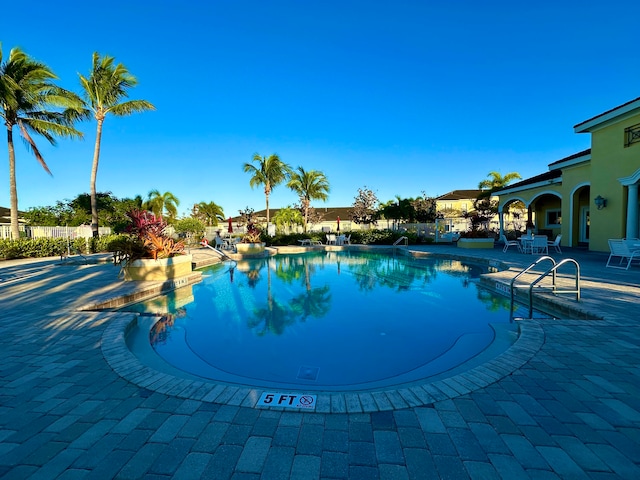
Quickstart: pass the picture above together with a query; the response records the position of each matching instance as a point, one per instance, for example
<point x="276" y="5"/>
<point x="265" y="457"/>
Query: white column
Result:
<point x="632" y="211"/>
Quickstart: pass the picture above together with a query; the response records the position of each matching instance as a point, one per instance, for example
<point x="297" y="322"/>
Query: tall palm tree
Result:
<point x="211" y="213"/>
<point x="309" y="185"/>
<point x="30" y="100"/>
<point x="270" y="172"/>
<point x="104" y="89"/>
<point x="162" y="204"/>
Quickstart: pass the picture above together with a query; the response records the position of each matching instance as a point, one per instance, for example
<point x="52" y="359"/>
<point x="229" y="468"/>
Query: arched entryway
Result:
<point x="578" y="228"/>
<point x="545" y="211"/>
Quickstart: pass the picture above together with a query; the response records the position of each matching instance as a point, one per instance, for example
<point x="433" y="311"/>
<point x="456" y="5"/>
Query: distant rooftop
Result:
<point x="460" y="195"/>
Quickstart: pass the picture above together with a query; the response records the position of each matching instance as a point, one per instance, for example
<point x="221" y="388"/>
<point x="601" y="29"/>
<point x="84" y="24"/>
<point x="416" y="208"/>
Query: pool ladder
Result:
<point x="401" y="239"/>
<point x="551" y="270"/>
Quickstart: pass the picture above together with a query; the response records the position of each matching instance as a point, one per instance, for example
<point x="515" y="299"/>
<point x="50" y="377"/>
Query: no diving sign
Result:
<point x="287" y="400"/>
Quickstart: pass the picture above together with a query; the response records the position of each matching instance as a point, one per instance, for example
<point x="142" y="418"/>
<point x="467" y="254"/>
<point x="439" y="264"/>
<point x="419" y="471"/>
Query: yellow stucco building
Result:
<point x="591" y="196"/>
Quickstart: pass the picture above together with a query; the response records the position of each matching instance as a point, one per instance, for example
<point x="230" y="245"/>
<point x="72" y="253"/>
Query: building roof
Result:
<point x="570" y="157"/>
<point x="554" y="173"/>
<point x="607" y="116"/>
<point x="543" y="177"/>
<point x="460" y="195"/>
<point x="5" y="213"/>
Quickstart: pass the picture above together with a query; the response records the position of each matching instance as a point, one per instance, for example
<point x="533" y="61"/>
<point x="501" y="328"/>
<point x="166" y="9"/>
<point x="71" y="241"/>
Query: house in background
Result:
<point x="5" y="222"/>
<point x="591" y="196"/>
<point x="454" y="206"/>
<point x="456" y="203"/>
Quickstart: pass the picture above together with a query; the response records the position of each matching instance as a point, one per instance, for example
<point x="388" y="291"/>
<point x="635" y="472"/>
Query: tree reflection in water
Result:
<point x="283" y="307"/>
<point x="391" y="273"/>
<point x="161" y="330"/>
<point x="493" y="302"/>
<point x="275" y="316"/>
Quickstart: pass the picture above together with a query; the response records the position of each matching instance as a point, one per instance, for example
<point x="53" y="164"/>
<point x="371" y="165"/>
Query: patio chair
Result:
<point x="347" y="240"/>
<point x="620" y="248"/>
<point x="540" y="244"/>
<point x="556" y="243"/>
<point x="331" y="239"/>
<point x="510" y="243"/>
<point x="220" y="245"/>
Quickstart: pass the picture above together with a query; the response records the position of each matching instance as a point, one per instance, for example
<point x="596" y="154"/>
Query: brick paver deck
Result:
<point x="567" y="405"/>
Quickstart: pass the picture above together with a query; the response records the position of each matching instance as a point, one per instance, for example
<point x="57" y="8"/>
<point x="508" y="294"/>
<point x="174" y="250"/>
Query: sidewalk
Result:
<point x="572" y="410"/>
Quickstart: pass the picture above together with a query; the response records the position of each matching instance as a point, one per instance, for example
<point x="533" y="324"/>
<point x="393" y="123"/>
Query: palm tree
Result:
<point x="311" y="185"/>
<point x="286" y="218"/>
<point x="496" y="182"/>
<point x="104" y="89"/>
<point x="30" y="100"/>
<point x="211" y="213"/>
<point x="161" y="203"/>
<point x="270" y="172"/>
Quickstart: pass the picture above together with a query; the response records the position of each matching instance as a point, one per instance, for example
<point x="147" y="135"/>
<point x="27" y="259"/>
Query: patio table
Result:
<point x="526" y="243"/>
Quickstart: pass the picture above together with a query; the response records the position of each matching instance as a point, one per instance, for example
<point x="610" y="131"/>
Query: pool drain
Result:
<point x="308" y="373"/>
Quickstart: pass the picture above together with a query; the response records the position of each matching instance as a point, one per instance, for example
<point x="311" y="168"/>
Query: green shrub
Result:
<point x="50" y="247"/>
<point x="191" y="229"/>
<point x="281" y="239"/>
<point x="364" y="237"/>
<point x="32" y="247"/>
<point x="381" y="237"/>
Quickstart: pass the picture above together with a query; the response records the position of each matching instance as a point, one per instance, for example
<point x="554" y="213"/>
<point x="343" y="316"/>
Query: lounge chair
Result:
<point x="620" y="248"/>
<point x="556" y="243"/>
<point x="510" y="243"/>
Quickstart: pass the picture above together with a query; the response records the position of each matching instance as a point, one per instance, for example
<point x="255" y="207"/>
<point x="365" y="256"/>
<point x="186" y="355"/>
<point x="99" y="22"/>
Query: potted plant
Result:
<point x="251" y="243"/>
<point x="478" y="236"/>
<point x="147" y="252"/>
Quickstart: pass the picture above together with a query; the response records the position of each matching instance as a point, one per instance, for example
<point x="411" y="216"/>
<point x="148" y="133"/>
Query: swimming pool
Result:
<point x="329" y="320"/>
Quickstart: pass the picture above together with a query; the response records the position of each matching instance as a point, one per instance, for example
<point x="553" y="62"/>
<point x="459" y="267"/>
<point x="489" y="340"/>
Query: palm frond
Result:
<point x="34" y="148"/>
<point x="132" y="106"/>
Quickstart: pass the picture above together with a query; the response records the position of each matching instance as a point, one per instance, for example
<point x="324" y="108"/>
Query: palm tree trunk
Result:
<point x="267" y="197"/>
<point x="94" y="175"/>
<point x="13" y="189"/>
<point x="305" y="206"/>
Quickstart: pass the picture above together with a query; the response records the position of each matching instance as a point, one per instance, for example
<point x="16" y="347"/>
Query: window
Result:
<point x="631" y="135"/>
<point x="554" y="218"/>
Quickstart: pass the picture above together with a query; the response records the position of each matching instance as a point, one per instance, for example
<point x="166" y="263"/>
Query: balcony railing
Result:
<point x="631" y="135"/>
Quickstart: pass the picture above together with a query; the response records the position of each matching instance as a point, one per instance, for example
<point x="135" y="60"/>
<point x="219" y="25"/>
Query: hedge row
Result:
<point x="50" y="247"/>
<point x="363" y="237"/>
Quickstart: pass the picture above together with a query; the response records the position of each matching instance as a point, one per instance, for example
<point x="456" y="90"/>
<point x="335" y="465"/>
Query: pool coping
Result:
<point x="417" y="393"/>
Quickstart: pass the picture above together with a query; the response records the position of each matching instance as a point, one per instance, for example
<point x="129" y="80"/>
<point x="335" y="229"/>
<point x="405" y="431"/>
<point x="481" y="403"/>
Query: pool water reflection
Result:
<point x="328" y="320"/>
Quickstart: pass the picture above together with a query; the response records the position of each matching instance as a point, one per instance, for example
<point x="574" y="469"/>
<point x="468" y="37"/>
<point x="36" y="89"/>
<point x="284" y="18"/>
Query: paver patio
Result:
<point x="571" y="410"/>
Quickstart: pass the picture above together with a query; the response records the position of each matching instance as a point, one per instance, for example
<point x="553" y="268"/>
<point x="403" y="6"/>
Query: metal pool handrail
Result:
<point x="554" y="267"/>
<point x="406" y="241"/>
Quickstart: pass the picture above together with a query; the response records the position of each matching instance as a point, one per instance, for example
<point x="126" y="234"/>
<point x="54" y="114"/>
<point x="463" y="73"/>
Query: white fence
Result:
<point x="83" y="231"/>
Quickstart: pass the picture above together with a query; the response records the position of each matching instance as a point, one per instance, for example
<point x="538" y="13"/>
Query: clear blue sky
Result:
<point x="400" y="96"/>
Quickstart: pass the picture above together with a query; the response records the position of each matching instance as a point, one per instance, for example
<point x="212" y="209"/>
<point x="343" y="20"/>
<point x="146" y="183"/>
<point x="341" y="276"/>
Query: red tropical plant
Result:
<point x="150" y="239"/>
